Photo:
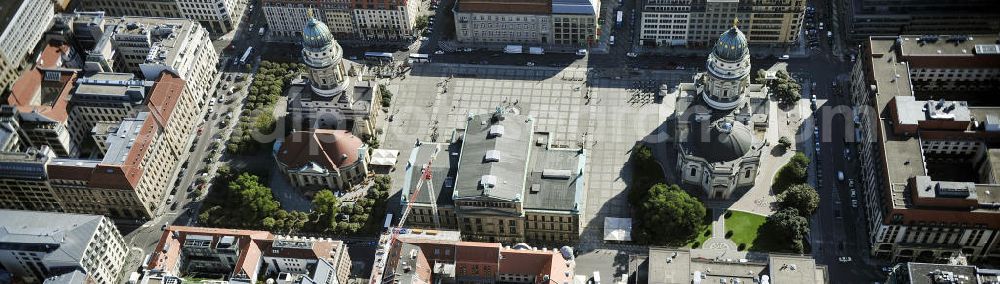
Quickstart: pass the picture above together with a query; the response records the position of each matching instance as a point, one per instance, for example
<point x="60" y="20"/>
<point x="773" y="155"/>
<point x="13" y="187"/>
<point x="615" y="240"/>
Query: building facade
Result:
<point x="696" y="23"/>
<point x="864" y="18"/>
<point x="545" y="23"/>
<point x="24" y="24"/>
<point x="323" y="159"/>
<point x="910" y="144"/>
<point x="365" y="20"/>
<point x="716" y="119"/>
<point x="216" y="16"/>
<point x="497" y="184"/>
<point x="34" y="251"/>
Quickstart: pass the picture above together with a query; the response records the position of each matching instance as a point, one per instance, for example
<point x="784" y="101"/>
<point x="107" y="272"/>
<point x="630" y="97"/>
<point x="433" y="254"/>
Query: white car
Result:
<point x="423" y="38"/>
<point x="632" y="54"/>
<point x="531" y="64"/>
<point x="784" y="57"/>
<point x="439" y="52"/>
<point x="844" y="259"/>
<point x="467" y="49"/>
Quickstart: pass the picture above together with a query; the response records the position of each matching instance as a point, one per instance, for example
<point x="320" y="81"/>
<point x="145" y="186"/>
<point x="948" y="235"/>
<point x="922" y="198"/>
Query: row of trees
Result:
<point x="245" y="202"/>
<point x="268" y="85"/>
<point x="786" y="230"/>
<point x="660" y="206"/>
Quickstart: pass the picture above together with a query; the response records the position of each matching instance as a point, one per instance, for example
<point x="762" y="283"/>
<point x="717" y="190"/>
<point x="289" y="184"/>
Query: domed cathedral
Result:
<point x="720" y="120"/>
<point x="323" y="55"/>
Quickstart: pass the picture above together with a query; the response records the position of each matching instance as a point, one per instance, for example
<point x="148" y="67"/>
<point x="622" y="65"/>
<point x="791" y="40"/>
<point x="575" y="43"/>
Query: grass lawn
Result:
<point x="703" y="235"/>
<point x="744" y="226"/>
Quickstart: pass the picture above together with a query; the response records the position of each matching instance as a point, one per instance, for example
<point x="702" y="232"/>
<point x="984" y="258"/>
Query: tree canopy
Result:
<point x="325" y="208"/>
<point x="801" y="197"/>
<point x="786" y="228"/>
<point x="670" y="207"/>
<point x="794" y="172"/>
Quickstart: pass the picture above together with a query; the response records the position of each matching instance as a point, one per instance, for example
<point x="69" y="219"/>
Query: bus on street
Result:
<point x="243" y="60"/>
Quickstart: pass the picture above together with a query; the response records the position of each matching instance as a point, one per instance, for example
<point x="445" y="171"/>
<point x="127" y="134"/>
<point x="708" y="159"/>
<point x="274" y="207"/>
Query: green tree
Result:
<point x="422" y="22"/>
<point x="325" y="207"/>
<point x="801" y="197"/>
<point x="759" y="77"/>
<point x="645" y="173"/>
<point x="792" y="173"/>
<point x="785" y="88"/>
<point x="670" y="207"/>
<point x="786" y="229"/>
<point x="255" y="200"/>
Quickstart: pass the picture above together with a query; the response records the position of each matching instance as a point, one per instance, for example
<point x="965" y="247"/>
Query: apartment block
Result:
<point x="927" y="157"/>
<point x="24" y="23"/>
<point x="864" y="18"/>
<point x="697" y="23"/>
<point x="433" y="257"/>
<point x="952" y="64"/>
<point x="239" y="256"/>
<point x="502" y="182"/>
<point x="217" y="16"/>
<point x="550" y="22"/>
<point x="64" y="246"/>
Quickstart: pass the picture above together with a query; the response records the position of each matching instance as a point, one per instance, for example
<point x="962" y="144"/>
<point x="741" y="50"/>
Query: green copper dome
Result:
<point x="316" y="34"/>
<point x="732" y="45"/>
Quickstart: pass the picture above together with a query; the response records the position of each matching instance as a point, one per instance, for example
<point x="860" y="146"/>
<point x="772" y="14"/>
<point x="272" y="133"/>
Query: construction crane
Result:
<point x="425" y="180"/>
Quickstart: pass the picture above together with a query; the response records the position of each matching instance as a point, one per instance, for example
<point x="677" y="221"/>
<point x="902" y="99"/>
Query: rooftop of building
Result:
<point x="555" y="179"/>
<point x="166" y="35"/>
<point x="251" y="247"/>
<point x="43" y="92"/>
<point x="574" y="7"/>
<point x="63" y="237"/>
<point x="929" y="273"/>
<point x="357" y="92"/>
<point x="950" y="51"/>
<point x="420" y="258"/>
<point x="443" y="171"/>
<point x="677" y="266"/>
<point x="494" y="156"/>
<point x="123" y="86"/>
<point x="326" y="148"/>
<point x="543" y="7"/>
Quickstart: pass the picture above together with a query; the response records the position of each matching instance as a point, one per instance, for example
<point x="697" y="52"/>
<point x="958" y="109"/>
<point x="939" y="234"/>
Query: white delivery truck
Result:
<point x="513" y="49"/>
<point x="536" y="50"/>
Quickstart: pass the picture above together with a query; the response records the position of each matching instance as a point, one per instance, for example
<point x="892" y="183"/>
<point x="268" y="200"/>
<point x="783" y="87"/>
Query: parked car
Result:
<point x="784" y="57"/>
<point x="439" y="52"/>
<point x="844" y="259"/>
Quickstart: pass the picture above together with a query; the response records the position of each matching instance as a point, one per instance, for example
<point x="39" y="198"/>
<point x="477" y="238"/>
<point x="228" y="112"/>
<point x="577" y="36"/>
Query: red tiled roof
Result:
<point x="250" y="253"/>
<point x="31" y="82"/>
<point x="164" y="96"/>
<point x="325" y="147"/>
<point x="506" y="6"/>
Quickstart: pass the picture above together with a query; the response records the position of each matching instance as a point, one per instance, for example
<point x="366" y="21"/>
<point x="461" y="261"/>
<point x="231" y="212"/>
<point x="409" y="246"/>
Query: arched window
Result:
<point x="694" y="171"/>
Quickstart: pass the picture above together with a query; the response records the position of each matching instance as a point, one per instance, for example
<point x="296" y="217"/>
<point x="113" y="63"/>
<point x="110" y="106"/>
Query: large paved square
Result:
<point x="606" y="115"/>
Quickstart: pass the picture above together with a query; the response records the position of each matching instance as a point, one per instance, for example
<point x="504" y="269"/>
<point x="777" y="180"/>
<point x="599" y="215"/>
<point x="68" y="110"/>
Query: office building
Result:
<point x="239" y="256"/>
<point x="683" y="266"/>
<point x="333" y="99"/>
<point x="570" y="23"/>
<point x="439" y="257"/>
<point x="697" y="23"/>
<point x="864" y="18"/>
<point x="500" y="181"/>
<point x="323" y="159"/>
<point x="216" y="16"/>
<point x="719" y="121"/>
<point x="929" y="167"/>
<point x="952" y="64"/>
<point x="22" y="24"/>
<point x="62" y="246"/>
<point x="390" y="20"/>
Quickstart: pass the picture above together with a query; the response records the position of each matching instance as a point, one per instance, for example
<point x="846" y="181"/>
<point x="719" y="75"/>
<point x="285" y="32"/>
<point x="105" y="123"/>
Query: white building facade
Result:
<point x="21" y="33"/>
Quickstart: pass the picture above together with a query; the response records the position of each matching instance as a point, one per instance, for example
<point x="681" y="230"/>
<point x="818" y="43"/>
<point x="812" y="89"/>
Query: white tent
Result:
<point x="617" y="229"/>
<point x="384" y="157"/>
